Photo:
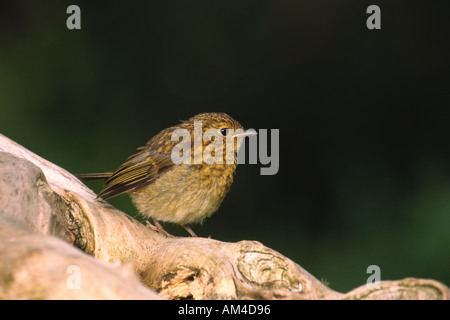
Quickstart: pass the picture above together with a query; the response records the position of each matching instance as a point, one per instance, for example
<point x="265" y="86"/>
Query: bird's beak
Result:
<point x="246" y="133"/>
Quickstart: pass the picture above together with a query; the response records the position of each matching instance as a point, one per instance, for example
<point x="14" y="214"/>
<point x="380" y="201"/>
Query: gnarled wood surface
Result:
<point x="57" y="241"/>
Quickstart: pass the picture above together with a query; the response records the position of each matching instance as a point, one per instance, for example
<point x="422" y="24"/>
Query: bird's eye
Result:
<point x="224" y="131"/>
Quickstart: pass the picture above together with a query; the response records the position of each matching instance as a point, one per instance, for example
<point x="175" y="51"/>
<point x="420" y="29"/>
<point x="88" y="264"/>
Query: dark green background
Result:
<point x="363" y="115"/>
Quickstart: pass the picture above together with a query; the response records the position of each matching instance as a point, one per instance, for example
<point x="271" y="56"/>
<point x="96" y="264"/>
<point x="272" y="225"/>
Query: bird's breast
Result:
<point x="185" y="193"/>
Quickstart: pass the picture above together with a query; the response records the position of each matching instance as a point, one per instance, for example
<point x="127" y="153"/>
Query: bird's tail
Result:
<point x="94" y="176"/>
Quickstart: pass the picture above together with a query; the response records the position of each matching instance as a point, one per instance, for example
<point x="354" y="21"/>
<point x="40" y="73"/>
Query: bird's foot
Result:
<point x="158" y="228"/>
<point x="188" y="229"/>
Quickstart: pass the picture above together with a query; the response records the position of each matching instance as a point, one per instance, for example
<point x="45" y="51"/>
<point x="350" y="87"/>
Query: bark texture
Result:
<point x="57" y="241"/>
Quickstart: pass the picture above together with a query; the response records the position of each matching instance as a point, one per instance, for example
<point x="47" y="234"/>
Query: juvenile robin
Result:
<point x="180" y="182"/>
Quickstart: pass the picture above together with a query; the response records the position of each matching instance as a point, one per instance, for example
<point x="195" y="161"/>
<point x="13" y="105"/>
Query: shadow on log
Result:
<point x="57" y="241"/>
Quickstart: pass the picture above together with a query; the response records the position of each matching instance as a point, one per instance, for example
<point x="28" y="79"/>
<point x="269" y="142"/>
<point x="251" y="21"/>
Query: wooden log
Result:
<point x="57" y="240"/>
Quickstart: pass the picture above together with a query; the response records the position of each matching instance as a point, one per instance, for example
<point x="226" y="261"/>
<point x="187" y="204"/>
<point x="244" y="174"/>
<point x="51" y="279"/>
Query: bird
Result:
<point x="180" y="182"/>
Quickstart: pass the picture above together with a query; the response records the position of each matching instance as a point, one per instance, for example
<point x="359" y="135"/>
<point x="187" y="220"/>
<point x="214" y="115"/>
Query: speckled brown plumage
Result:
<point x="180" y="193"/>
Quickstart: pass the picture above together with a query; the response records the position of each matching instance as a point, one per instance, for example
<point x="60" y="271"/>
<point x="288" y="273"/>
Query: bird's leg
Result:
<point x="158" y="228"/>
<point x="188" y="229"/>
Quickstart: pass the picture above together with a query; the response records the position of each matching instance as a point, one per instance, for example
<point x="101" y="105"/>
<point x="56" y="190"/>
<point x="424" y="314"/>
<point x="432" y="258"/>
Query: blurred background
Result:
<point x="364" y="176"/>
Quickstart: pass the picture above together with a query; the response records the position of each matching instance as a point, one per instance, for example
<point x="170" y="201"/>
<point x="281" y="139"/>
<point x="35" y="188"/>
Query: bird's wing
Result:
<point x="139" y="170"/>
